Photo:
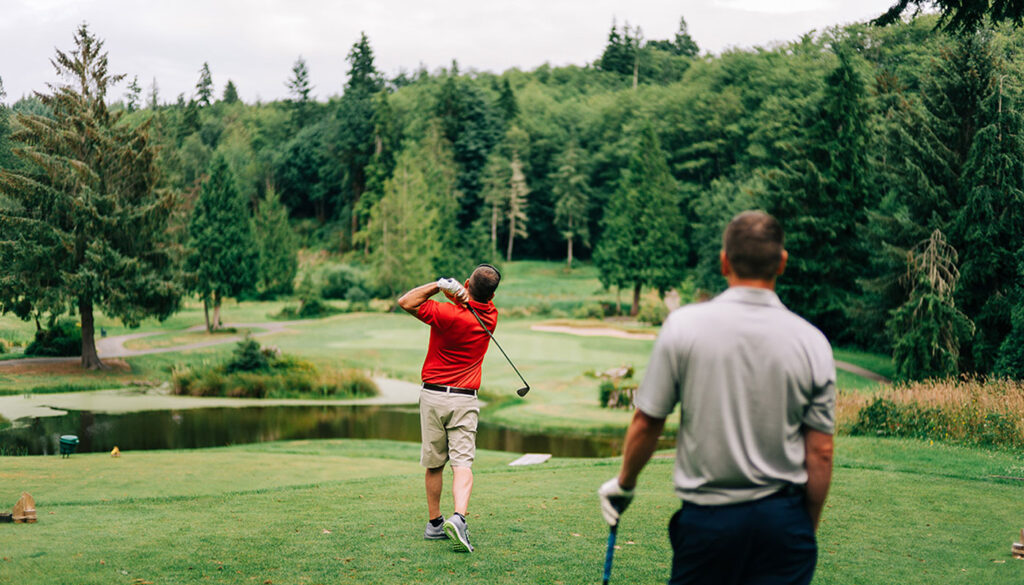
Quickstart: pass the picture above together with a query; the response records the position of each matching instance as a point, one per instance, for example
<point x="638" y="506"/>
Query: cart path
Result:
<point x="610" y="332"/>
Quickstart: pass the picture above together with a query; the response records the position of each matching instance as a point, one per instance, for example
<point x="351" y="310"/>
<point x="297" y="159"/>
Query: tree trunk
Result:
<point x="636" y="300"/>
<point x="511" y="237"/>
<point x="494" y="227"/>
<point x="569" y="255"/>
<point x="206" y="313"/>
<point x="216" y="310"/>
<point x="90" y="358"/>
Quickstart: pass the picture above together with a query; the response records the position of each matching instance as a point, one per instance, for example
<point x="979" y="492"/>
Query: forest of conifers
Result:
<point x="893" y="157"/>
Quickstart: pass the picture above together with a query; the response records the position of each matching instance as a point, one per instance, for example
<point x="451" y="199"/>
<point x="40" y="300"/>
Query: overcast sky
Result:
<point x="255" y="42"/>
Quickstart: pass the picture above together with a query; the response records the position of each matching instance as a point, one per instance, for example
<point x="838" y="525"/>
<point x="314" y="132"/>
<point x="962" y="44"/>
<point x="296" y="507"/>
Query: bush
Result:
<point x="247" y="357"/>
<point x="589" y="311"/>
<point x="970" y="412"/>
<point x="280" y="376"/>
<point x="63" y="338"/>
<point x="653" y="313"/>
<point x="358" y="299"/>
<point x="340" y="281"/>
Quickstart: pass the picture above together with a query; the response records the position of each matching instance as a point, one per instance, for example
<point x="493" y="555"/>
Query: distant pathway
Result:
<point x="609" y="332"/>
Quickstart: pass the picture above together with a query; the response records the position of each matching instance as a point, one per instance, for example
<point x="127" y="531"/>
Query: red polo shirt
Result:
<point x="457" y="342"/>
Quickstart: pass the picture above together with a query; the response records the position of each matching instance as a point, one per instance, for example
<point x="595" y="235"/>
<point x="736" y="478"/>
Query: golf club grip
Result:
<point x="491" y="335"/>
<point x="610" y="553"/>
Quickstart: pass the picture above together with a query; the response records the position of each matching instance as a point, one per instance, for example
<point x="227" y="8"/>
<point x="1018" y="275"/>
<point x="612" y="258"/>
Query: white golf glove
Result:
<point x="454" y="289"/>
<point x="614" y="500"/>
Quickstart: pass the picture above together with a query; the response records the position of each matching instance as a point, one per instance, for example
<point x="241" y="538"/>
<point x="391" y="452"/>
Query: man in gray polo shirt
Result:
<point x="756" y="388"/>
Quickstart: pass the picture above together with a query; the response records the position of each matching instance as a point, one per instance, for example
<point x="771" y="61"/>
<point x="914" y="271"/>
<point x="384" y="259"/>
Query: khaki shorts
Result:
<point x="448" y="429"/>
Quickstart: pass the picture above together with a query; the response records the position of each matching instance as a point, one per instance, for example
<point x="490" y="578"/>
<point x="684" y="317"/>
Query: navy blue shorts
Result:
<point x="764" y="542"/>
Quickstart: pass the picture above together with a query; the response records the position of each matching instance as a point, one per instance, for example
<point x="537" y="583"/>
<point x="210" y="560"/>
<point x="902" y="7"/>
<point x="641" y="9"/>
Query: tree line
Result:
<point x="890" y="154"/>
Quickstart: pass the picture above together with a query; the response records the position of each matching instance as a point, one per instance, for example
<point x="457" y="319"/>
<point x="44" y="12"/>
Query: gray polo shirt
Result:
<point x="748" y="374"/>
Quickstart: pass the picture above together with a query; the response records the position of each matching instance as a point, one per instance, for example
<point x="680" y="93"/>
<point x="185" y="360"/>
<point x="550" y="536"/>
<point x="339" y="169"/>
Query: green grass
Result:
<point x="352" y="512"/>
<point x="877" y="363"/>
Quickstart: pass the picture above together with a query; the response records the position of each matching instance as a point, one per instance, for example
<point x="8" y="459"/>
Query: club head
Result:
<point x="522" y="391"/>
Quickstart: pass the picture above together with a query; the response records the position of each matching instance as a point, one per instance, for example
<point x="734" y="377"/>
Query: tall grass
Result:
<point x="967" y="411"/>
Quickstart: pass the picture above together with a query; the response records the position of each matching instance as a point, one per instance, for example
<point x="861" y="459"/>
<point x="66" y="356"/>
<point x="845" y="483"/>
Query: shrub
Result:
<point x="63" y="338"/>
<point x="341" y="280"/>
<point x="281" y="376"/>
<point x="653" y="313"/>
<point x="358" y="299"/>
<point x="589" y="311"/>
<point x="247" y="357"/>
<point x="971" y="412"/>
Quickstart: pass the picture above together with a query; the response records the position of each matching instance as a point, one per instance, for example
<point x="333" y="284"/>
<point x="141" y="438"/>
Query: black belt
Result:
<point x="789" y="490"/>
<point x="450" y="389"/>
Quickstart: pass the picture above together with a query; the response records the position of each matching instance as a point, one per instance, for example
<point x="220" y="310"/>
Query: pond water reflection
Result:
<point x="215" y="427"/>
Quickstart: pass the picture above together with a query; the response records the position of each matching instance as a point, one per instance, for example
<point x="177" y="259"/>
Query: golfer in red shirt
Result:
<point x="449" y="409"/>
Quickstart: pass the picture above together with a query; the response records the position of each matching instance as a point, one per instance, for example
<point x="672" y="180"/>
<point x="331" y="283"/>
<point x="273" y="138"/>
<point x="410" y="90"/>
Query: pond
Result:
<point x="216" y="427"/>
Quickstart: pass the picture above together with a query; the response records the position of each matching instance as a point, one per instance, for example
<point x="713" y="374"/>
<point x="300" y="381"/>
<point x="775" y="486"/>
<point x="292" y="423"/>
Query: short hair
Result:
<point x="483" y="282"/>
<point x="753" y="245"/>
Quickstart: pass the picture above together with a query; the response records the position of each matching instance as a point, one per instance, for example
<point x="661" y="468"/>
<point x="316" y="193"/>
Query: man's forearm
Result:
<point x="412" y="300"/>
<point x="819" y="448"/>
<point x="641" y="442"/>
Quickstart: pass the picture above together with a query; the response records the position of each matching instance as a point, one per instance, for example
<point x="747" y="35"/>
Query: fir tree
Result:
<point x="644" y="242"/>
<point x="683" y="43"/>
<point x="928" y="329"/>
<point x="89" y="228"/>
<point x="300" y="101"/>
<point x="991" y="218"/>
<point x="277" y="245"/>
<point x="134" y="95"/>
<point x="507" y="105"/>
<point x="154" y="95"/>
<point x="223" y="260"/>
<point x="204" y="87"/>
<point x="821" y="200"/>
<point x="230" y="93"/>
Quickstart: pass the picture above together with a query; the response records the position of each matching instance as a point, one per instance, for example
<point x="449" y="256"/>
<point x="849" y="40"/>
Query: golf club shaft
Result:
<point x="480" y="321"/>
<point x="610" y="553"/>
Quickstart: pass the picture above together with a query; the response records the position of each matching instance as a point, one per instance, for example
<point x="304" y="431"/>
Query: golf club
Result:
<point x="526" y="387"/>
<point x="610" y="553"/>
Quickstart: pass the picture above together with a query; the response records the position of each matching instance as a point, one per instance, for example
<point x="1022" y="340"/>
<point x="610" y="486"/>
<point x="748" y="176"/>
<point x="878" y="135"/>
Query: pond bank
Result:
<point x="392" y="393"/>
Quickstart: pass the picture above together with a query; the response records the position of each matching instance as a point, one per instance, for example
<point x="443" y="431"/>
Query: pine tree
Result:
<point x="990" y="221"/>
<point x="928" y="329"/>
<point x="204" y="87"/>
<point x="6" y="156"/>
<point x="355" y="130"/>
<point x="230" y="93"/>
<point x="223" y="259"/>
<point x="644" y="241"/>
<point x="154" y="95"/>
<point x="277" y="245"/>
<point x="572" y="199"/>
<point x="684" y="43"/>
<point x="821" y="199"/>
<point x="90" y="226"/>
<point x="507" y="105"/>
<point x="517" y="192"/>
<point x="300" y="101"/>
<point x="619" y="55"/>
<point x="133" y="98"/>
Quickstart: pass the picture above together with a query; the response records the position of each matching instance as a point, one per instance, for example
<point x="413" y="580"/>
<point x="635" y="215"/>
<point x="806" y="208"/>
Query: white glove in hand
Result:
<point x="614" y="500"/>
<point x="453" y="289"/>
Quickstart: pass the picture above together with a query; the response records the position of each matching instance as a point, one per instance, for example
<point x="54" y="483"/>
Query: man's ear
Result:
<point x="724" y="261"/>
<point x="782" y="263"/>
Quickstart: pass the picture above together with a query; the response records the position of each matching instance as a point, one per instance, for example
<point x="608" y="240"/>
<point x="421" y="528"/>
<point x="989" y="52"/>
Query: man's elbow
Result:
<point x="820" y="446"/>
<point x="407" y="304"/>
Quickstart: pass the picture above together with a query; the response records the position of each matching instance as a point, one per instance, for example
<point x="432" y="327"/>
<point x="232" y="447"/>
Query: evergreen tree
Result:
<point x="154" y="95"/>
<point x="507" y="105"/>
<point x="230" y="93"/>
<point x="300" y="101"/>
<point x="619" y="54"/>
<point x="386" y="139"/>
<point x="89" y="228"/>
<point x="991" y="219"/>
<point x="517" y="192"/>
<point x="223" y="259"/>
<point x="821" y="199"/>
<point x="1011" y="353"/>
<point x="134" y="95"/>
<point x="572" y="199"/>
<point x="644" y="240"/>
<point x="6" y="156"/>
<point x="354" y="125"/>
<point x="928" y="329"/>
<point x="204" y="87"/>
<point x="277" y="245"/>
<point x="683" y="42"/>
